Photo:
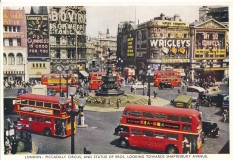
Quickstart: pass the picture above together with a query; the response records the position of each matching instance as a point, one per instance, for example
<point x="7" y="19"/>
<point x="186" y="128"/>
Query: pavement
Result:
<point x="34" y="151"/>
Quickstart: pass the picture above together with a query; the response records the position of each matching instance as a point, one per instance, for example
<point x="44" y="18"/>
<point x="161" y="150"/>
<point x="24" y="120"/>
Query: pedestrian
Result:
<point x="149" y="101"/>
<point x="155" y="94"/>
<point x="178" y="91"/>
<point x="7" y="146"/>
<point x="134" y="90"/>
<point x="131" y="89"/>
<point x="62" y="93"/>
<point x="14" y="145"/>
<point x="118" y="103"/>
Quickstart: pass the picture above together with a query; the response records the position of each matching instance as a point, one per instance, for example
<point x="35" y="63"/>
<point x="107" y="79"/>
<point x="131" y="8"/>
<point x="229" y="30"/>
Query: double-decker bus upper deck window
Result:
<point x="173" y="118"/>
<point x="47" y="120"/>
<point x="24" y="101"/>
<point x="126" y="112"/>
<point x="148" y="115"/>
<point x="172" y="136"/>
<point x="185" y="119"/>
<point x="160" y="116"/>
<point x="32" y="103"/>
<point x="135" y="131"/>
<point x="136" y="113"/>
<point x="159" y="135"/>
<point x="40" y="104"/>
<point x="48" y="105"/>
<point x="56" y="106"/>
<point x="148" y="133"/>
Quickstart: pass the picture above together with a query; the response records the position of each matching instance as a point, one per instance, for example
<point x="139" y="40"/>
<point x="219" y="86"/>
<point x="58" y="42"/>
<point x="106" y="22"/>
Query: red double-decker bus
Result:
<point x="95" y="79"/>
<point x="57" y="82"/>
<point x="172" y="77"/>
<point x="48" y="116"/>
<point x="165" y="129"/>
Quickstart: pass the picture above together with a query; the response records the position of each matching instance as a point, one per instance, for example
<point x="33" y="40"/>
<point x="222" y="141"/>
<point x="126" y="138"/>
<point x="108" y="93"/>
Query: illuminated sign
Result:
<point x="38" y="110"/>
<point x="37" y="36"/>
<point x="170" y="43"/>
<point x="153" y="123"/>
<point x="130" y="49"/>
<point x="164" y="23"/>
<point x="210" y="45"/>
<point x="69" y="20"/>
<point x="175" y="60"/>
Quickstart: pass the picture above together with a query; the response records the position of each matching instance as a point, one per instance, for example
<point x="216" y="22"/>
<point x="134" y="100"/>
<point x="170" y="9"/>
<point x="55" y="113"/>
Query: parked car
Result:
<point x="51" y="92"/>
<point x="21" y="91"/>
<point x="120" y="128"/>
<point x="163" y="85"/>
<point x="210" y="129"/>
<point x="139" y="86"/>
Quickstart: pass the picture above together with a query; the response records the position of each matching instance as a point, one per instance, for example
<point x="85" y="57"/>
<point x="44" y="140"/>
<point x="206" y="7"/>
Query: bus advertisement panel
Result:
<point x="95" y="79"/>
<point x="165" y="129"/>
<point x="57" y="82"/>
<point x="172" y="77"/>
<point x="48" y="115"/>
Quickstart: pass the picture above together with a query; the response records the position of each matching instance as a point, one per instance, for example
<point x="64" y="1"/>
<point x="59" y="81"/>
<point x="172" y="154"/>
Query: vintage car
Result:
<point x="210" y="129"/>
<point x="21" y="91"/>
<point x="51" y="92"/>
<point x="163" y="85"/>
<point x="120" y="128"/>
<point x="139" y="86"/>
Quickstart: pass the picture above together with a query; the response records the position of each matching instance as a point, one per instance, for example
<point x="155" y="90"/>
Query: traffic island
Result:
<point x="98" y="105"/>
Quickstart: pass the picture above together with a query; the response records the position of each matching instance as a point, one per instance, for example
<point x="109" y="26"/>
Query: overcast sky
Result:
<point x="103" y="17"/>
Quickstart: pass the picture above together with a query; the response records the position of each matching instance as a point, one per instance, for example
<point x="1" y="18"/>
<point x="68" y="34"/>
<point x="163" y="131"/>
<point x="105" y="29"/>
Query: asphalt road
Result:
<point x="99" y="139"/>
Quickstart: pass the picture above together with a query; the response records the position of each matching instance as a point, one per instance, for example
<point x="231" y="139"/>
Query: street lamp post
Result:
<point x="30" y="125"/>
<point x="9" y="124"/>
<point x="67" y="77"/>
<point x="148" y="79"/>
<point x="81" y="104"/>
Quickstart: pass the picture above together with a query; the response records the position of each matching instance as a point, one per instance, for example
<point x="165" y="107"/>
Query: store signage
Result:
<point x="130" y="49"/>
<point x="210" y="44"/>
<point x="37" y="36"/>
<point x="175" y="60"/>
<point x="153" y="123"/>
<point x="70" y="20"/>
<point x="170" y="43"/>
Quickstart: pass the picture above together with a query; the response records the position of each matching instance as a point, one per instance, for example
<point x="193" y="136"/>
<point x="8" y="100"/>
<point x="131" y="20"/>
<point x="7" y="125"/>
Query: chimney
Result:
<point x="162" y="16"/>
<point x="176" y="17"/>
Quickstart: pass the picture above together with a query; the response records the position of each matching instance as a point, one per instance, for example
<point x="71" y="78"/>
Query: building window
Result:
<point x="44" y="65"/>
<point x="5" y="28"/>
<point x="18" y="28"/>
<point x="19" y="58"/>
<point x="18" y="42"/>
<point x="36" y="65"/>
<point x="10" y="29"/>
<point x="4" y="59"/>
<point x="10" y="42"/>
<point x="4" y="42"/>
<point x="40" y="65"/>
<point x="14" y="28"/>
<point x="11" y="59"/>
<point x="33" y="65"/>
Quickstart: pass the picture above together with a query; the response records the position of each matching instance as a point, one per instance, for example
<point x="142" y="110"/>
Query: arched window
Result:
<point x="4" y="59"/>
<point x="11" y="59"/>
<point x="19" y="58"/>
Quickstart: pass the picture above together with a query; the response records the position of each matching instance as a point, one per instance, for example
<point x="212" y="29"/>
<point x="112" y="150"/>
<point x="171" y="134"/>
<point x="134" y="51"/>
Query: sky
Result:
<point x="99" y="18"/>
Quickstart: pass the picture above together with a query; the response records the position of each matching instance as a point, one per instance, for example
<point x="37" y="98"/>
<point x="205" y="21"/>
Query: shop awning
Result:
<point x="84" y="73"/>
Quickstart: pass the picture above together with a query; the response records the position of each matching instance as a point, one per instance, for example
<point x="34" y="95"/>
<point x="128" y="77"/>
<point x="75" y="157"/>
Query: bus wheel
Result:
<point x="123" y="143"/>
<point x="47" y="132"/>
<point x="172" y="150"/>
